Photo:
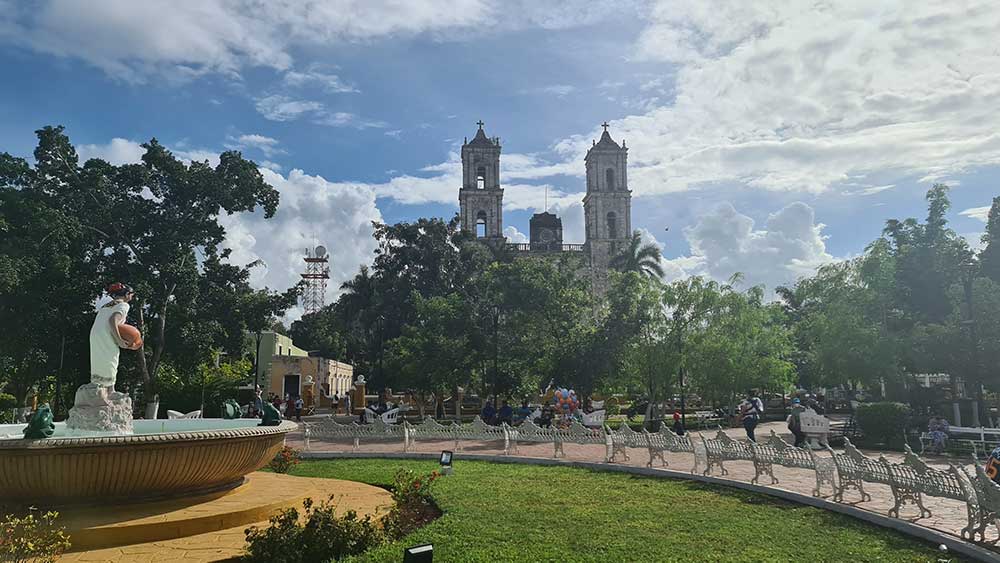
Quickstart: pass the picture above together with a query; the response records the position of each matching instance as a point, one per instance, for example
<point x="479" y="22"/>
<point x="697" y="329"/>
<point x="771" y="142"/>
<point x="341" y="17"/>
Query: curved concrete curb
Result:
<point x="954" y="544"/>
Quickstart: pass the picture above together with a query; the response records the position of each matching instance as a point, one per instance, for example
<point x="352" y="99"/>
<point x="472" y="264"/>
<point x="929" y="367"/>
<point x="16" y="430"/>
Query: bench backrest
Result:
<point x="595" y="418"/>
<point x="813" y="423"/>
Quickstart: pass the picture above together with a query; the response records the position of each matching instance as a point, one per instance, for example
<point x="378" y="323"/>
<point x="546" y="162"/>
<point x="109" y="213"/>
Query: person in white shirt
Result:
<point x="105" y="337"/>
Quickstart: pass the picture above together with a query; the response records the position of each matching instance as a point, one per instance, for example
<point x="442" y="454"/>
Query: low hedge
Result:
<point x="883" y="423"/>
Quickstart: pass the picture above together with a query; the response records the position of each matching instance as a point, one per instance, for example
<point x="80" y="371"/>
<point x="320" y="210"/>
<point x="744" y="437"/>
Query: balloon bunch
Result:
<point x="566" y="401"/>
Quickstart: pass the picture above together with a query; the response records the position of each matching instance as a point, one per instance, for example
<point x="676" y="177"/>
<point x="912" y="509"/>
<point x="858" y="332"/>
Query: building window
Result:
<point x="481" y="177"/>
<point x="481" y="224"/>
<point x="612" y="225"/>
<point x="609" y="177"/>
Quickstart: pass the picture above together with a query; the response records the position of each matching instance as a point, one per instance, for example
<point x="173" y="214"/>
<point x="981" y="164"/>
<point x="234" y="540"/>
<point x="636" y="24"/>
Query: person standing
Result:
<point x="752" y="413"/>
<point x="795" y="423"/>
<point x="347" y="404"/>
<point x="298" y="409"/>
<point x="258" y="403"/>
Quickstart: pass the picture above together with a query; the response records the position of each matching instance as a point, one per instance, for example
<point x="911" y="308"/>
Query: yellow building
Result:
<point x="303" y="376"/>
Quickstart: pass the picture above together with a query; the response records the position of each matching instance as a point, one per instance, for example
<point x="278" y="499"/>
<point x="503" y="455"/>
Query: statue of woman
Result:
<point x="105" y="336"/>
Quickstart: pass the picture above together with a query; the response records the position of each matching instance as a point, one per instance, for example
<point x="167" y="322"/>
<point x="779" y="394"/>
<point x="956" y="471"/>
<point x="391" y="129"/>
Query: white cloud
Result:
<point x="267" y="145"/>
<point x="876" y="189"/>
<point x="181" y="40"/>
<point x="724" y="242"/>
<point x="981" y="213"/>
<point x="800" y="96"/>
<point x="557" y="90"/>
<point x="514" y="236"/>
<point x="278" y="107"/>
<point x="329" y="82"/>
<point x="312" y="211"/>
<point x="120" y="151"/>
<point x="117" y="152"/>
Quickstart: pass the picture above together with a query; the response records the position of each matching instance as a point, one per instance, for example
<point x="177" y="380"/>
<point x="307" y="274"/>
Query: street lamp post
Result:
<point x="496" y="352"/>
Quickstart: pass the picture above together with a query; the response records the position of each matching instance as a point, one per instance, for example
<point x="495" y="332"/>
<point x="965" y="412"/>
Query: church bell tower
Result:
<point x="607" y="207"/>
<point x="480" y="200"/>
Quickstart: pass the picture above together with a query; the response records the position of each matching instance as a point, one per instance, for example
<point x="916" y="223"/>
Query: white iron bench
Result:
<point x="330" y="428"/>
<point x="618" y="441"/>
<point x="665" y="441"/>
<point x="722" y="448"/>
<point x="576" y="433"/>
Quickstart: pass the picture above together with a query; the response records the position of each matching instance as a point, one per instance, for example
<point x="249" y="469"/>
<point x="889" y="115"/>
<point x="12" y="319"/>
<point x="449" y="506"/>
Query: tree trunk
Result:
<point x="147" y="384"/>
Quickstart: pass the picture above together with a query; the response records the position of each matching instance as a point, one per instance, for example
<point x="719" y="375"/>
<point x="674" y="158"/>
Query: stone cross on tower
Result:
<point x="605" y="125"/>
<point x="480" y="123"/>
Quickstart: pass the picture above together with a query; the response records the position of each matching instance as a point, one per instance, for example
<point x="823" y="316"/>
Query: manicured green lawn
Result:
<point x="528" y="513"/>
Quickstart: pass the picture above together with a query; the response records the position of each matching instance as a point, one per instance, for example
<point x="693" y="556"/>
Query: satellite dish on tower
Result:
<point x="320" y="251"/>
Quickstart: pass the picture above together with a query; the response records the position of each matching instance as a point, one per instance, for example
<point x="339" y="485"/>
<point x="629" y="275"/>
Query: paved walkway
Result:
<point x="947" y="515"/>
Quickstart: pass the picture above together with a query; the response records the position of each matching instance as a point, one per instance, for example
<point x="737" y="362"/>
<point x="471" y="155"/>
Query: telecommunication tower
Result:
<point x="315" y="277"/>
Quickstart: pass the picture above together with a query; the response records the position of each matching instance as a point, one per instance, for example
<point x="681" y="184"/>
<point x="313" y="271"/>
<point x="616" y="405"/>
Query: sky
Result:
<point x="765" y="137"/>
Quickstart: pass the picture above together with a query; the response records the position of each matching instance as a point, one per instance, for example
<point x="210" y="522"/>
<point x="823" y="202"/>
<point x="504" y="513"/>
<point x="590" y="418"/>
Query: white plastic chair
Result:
<point x="391" y="416"/>
<point x="175" y="415"/>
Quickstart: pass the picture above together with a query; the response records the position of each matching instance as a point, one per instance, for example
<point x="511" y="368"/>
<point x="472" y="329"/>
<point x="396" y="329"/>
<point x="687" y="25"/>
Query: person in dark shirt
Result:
<point x="547" y="414"/>
<point x="524" y="411"/>
<point x="489" y="413"/>
<point x="506" y="414"/>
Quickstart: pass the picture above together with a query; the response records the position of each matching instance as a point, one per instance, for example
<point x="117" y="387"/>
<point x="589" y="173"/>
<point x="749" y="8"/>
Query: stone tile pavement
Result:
<point x="947" y="515"/>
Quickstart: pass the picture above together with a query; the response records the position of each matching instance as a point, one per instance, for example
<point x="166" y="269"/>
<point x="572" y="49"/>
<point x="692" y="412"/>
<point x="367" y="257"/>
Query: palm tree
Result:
<point x="639" y="257"/>
<point x="357" y="293"/>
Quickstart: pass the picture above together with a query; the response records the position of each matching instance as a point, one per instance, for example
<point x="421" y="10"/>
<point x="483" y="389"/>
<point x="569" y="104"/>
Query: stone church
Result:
<point x="607" y="205"/>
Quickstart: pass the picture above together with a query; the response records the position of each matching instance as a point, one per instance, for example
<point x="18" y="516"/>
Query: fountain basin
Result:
<point x="163" y="459"/>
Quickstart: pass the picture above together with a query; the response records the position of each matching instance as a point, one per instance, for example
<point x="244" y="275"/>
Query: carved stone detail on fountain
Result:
<point x="98" y="408"/>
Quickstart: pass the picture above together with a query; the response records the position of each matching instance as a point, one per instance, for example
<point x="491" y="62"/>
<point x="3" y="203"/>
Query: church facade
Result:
<point x="607" y="205"/>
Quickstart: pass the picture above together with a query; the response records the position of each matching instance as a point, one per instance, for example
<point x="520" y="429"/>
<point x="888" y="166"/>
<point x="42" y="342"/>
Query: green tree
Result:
<point x="71" y="229"/>
<point x="989" y="256"/>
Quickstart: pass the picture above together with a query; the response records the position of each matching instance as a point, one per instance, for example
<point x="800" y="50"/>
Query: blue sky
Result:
<point x="770" y="138"/>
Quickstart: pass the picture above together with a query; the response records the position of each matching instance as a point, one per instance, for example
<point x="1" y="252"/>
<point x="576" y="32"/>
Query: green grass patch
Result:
<point x="497" y="512"/>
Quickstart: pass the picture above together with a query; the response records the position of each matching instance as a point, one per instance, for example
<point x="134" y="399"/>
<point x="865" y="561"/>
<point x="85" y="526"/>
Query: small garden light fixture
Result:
<point x="419" y="554"/>
<point x="446" y="462"/>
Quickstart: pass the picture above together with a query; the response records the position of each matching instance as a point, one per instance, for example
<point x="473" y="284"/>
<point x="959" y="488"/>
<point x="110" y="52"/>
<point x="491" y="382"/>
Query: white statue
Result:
<point x="105" y="336"/>
<point x="98" y="408"/>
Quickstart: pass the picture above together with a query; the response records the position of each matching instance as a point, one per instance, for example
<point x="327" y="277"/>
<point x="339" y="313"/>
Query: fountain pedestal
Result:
<point x="98" y="408"/>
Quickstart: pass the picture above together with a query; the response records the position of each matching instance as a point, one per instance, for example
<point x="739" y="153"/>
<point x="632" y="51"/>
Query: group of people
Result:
<point x="289" y="407"/>
<point x="507" y="414"/>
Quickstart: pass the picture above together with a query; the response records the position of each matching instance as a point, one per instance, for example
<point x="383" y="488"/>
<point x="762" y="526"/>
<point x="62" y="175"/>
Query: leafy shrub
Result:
<point x="883" y="423"/>
<point x="321" y="537"/>
<point x="412" y="504"/>
<point x="284" y="460"/>
<point x="32" y="537"/>
<point x="7" y="403"/>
